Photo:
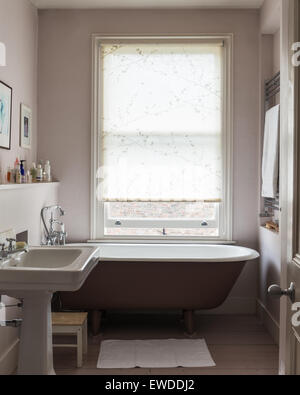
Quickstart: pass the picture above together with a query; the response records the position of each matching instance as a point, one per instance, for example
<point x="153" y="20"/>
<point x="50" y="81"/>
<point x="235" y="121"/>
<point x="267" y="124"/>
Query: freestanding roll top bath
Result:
<point x="159" y="276"/>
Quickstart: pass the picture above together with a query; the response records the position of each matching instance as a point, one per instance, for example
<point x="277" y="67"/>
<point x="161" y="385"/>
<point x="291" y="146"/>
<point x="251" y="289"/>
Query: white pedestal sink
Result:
<point x="33" y="277"/>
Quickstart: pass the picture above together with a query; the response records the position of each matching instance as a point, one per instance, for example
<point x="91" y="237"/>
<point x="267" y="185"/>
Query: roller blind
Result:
<point x="161" y="122"/>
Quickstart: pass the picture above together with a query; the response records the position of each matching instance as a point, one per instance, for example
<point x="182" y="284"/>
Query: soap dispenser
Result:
<point x="22" y="171"/>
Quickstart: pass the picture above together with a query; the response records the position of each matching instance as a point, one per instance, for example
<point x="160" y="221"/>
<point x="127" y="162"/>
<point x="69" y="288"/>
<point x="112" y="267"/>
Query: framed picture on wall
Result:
<point x="5" y="115"/>
<point x="26" y="126"/>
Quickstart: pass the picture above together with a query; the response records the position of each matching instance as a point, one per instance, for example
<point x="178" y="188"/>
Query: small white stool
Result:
<point x="72" y="324"/>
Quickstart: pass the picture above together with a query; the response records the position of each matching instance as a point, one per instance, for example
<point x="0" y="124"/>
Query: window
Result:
<point x="161" y="145"/>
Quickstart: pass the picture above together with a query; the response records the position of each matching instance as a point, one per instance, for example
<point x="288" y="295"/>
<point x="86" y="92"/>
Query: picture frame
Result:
<point x="5" y="115"/>
<point x="25" y="126"/>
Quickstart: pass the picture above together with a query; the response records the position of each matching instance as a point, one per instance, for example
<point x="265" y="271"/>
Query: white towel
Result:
<point x="270" y="163"/>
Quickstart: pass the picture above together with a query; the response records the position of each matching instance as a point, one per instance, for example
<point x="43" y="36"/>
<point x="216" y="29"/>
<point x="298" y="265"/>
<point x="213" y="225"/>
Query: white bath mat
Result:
<point x="171" y="353"/>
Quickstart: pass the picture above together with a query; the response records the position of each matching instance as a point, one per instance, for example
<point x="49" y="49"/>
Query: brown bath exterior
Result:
<point x="125" y="285"/>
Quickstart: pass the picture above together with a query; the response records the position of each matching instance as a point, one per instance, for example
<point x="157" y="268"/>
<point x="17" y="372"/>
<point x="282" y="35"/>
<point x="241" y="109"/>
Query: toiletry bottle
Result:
<point x="13" y="175"/>
<point x="16" y="168"/>
<point x="28" y="177"/>
<point x="47" y="171"/>
<point x="18" y="175"/>
<point x="39" y="174"/>
<point x="22" y="171"/>
<point x="8" y="175"/>
<point x="33" y="172"/>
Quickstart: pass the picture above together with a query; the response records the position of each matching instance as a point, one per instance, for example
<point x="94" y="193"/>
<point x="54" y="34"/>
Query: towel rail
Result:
<point x="272" y="88"/>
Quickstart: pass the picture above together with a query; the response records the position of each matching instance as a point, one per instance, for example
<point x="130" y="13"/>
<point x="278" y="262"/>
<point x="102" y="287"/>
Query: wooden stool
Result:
<point x="72" y="324"/>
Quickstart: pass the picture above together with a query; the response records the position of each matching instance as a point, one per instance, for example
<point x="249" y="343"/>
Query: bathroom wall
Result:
<point x="19" y="32"/>
<point x="276" y="51"/>
<point x="269" y="241"/>
<point x="20" y="208"/>
<point x="270" y="16"/>
<point x="65" y="107"/>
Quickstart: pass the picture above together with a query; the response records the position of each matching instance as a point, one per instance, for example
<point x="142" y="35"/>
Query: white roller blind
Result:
<point x="162" y="122"/>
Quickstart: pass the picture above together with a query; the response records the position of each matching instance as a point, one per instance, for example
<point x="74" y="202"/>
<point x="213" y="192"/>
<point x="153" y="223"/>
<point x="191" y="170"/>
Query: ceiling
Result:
<point x="147" y="3"/>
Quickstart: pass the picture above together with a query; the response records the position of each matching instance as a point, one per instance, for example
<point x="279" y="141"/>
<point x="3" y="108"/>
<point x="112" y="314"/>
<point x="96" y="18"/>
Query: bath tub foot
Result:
<point x="188" y="316"/>
<point x="95" y="322"/>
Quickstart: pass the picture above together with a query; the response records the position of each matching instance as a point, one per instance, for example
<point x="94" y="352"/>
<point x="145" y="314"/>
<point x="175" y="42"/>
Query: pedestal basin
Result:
<point x="33" y="276"/>
<point x="47" y="268"/>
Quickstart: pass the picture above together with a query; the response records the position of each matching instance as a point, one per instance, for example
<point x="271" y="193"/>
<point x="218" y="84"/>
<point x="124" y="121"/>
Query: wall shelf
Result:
<point x="5" y="187"/>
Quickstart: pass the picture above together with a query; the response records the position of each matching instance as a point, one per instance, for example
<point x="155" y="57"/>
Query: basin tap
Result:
<point x="13" y="250"/>
<point x="4" y="253"/>
<point x="10" y="245"/>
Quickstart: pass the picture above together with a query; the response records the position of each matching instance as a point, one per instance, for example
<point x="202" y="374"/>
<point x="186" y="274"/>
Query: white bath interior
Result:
<point x="175" y="253"/>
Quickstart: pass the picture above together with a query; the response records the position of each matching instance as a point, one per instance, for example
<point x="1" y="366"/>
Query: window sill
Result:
<point x="160" y="241"/>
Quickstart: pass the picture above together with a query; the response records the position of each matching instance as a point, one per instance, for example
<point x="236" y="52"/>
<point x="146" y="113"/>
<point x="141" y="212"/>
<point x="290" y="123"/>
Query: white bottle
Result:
<point x="47" y="171"/>
<point x="28" y="177"/>
<point x="39" y="174"/>
<point x="18" y="175"/>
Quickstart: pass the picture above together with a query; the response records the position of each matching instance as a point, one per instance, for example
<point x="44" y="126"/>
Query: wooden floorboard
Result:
<point x="239" y="345"/>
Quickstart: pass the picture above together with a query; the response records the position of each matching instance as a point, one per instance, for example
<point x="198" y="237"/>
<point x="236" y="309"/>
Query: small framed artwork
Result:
<point x="5" y="115"/>
<point x="26" y="126"/>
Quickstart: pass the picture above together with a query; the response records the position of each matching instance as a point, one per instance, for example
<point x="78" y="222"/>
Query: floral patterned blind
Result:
<point x="161" y="122"/>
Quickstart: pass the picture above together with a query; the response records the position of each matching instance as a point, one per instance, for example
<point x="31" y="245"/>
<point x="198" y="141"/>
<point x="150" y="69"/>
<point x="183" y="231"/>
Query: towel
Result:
<point x="270" y="163"/>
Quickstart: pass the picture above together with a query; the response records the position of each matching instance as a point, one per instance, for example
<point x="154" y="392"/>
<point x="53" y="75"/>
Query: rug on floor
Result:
<point x="169" y="353"/>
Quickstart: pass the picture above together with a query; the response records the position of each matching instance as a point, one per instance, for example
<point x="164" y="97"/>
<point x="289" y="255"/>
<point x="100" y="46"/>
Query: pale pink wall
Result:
<point x="270" y="16"/>
<point x="276" y="52"/>
<point x="19" y="32"/>
<point x="19" y="209"/>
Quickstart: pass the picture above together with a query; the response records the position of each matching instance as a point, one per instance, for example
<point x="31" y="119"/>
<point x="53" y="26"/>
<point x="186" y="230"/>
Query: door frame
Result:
<point x="289" y="185"/>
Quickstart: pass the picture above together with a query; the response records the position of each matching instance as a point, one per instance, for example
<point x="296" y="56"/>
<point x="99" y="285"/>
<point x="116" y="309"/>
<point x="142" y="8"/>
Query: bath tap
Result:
<point x="54" y="237"/>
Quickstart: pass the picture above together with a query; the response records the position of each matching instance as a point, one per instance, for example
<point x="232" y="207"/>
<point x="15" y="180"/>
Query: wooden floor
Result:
<point x="239" y="345"/>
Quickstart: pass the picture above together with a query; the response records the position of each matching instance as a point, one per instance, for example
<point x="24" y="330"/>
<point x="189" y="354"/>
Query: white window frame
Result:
<point x="98" y="212"/>
<point x="176" y="223"/>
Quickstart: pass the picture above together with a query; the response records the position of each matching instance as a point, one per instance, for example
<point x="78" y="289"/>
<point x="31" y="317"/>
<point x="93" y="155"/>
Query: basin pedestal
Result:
<point x="36" y="353"/>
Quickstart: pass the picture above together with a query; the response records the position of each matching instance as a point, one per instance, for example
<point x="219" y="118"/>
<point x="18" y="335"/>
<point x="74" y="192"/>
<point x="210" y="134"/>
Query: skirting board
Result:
<point x="9" y="360"/>
<point x="232" y="305"/>
<point x="268" y="321"/>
